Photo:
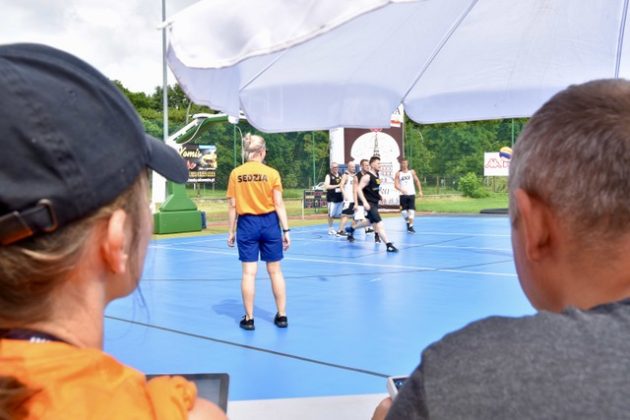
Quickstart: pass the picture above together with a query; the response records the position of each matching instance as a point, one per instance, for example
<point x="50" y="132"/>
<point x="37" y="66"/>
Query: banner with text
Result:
<point x="201" y="161"/>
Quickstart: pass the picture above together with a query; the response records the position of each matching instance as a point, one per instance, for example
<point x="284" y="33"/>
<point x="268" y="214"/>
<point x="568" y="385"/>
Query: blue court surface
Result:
<point x="356" y="313"/>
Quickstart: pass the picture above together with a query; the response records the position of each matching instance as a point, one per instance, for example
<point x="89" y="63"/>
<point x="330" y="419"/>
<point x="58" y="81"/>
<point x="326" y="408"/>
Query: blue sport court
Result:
<point x="357" y="314"/>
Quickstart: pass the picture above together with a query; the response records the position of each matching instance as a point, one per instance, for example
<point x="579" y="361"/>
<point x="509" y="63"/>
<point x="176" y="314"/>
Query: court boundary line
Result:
<point x="223" y="236"/>
<point x="343" y="262"/>
<point x="248" y="347"/>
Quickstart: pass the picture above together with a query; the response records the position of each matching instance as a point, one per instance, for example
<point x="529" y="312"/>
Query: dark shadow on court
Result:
<point x="233" y="308"/>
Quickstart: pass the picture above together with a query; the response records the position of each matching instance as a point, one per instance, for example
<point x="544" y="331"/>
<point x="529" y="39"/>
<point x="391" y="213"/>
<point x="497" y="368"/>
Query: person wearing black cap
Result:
<point x="74" y="228"/>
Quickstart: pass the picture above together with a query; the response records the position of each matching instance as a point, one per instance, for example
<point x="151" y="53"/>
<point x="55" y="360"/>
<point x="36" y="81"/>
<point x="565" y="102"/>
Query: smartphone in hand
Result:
<point x="394" y="383"/>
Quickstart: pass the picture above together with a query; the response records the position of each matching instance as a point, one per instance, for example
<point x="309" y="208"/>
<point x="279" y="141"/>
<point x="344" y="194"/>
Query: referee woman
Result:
<point x="262" y="229"/>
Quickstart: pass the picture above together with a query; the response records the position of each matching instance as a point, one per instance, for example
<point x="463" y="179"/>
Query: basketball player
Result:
<point x="368" y="191"/>
<point x="334" y="197"/>
<point x="404" y="182"/>
<point x="348" y="181"/>
<point x="359" y="213"/>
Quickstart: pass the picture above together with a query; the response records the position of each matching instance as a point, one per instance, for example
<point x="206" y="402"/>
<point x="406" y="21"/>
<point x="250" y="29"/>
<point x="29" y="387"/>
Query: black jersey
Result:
<point x="371" y="191"/>
<point x="335" y="195"/>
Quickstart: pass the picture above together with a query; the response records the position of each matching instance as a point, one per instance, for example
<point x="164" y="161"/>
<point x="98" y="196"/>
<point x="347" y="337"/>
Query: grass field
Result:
<point x="461" y="204"/>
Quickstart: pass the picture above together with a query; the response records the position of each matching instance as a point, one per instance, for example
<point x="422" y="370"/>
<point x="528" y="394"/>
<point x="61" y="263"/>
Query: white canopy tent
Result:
<point x="317" y="64"/>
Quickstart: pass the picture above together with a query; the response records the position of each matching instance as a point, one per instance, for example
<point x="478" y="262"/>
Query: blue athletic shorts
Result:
<point x="259" y="235"/>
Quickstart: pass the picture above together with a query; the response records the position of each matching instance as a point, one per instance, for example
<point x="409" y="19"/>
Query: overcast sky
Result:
<point x="118" y="37"/>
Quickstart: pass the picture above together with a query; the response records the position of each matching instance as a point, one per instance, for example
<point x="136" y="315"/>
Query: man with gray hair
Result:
<point x="570" y="216"/>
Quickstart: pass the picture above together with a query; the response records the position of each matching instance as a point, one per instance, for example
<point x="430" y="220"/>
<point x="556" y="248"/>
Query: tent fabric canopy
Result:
<point x="445" y="60"/>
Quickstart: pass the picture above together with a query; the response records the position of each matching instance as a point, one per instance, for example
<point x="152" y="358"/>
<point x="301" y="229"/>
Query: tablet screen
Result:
<point x="211" y="386"/>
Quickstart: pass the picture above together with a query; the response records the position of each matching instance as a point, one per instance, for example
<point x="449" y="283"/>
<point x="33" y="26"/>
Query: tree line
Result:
<point x="436" y="151"/>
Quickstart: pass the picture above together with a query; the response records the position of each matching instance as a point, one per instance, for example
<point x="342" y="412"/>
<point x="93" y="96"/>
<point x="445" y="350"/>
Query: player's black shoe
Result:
<point x="410" y="229"/>
<point x="369" y="230"/>
<point x="281" y="321"/>
<point x="247" y="324"/>
<point x="391" y="247"/>
<point x="377" y="238"/>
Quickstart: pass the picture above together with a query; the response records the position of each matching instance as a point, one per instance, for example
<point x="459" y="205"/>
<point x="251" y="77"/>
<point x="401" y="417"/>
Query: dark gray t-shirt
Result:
<point x="547" y="366"/>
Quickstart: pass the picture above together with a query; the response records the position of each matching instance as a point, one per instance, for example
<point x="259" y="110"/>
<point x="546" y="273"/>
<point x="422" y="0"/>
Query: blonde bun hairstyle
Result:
<point x="252" y="146"/>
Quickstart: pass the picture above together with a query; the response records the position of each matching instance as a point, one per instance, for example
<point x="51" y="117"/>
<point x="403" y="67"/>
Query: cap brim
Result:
<point x="166" y="161"/>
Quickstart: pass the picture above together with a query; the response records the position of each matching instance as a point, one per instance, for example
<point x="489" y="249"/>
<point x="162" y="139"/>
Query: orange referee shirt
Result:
<point x="252" y="185"/>
<point x="75" y="383"/>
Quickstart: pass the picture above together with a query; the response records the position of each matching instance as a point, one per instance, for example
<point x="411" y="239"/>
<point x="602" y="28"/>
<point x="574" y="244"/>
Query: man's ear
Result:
<point x="537" y="224"/>
<point x="115" y="242"/>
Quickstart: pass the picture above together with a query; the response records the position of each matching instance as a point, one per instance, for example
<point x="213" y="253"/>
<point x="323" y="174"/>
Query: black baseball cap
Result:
<point x="70" y="142"/>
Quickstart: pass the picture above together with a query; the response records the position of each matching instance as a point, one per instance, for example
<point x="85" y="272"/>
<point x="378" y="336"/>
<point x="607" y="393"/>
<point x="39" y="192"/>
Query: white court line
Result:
<point x="468" y="247"/>
<point x="341" y="262"/>
<point x="419" y="233"/>
<point x="218" y="237"/>
<point x="490" y="235"/>
<point x="324" y="233"/>
<point x="340" y="239"/>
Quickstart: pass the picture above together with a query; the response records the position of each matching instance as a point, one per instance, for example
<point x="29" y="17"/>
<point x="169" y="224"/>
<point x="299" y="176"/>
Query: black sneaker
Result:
<point x="377" y="238"/>
<point x="369" y="230"/>
<point x="391" y="247"/>
<point x="247" y="324"/>
<point x="350" y="238"/>
<point x="410" y="229"/>
<point x="341" y="233"/>
<point x="281" y="321"/>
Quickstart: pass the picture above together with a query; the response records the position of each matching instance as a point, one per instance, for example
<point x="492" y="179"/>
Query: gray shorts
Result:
<point x="335" y="209"/>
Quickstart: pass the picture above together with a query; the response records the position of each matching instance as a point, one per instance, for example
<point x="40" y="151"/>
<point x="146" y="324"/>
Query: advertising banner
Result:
<point x="201" y="161"/>
<point x="495" y="165"/>
<point x="386" y="143"/>
<point x="314" y="199"/>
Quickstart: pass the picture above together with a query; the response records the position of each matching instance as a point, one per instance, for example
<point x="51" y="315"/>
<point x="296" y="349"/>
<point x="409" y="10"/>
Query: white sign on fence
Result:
<point x="495" y="165"/>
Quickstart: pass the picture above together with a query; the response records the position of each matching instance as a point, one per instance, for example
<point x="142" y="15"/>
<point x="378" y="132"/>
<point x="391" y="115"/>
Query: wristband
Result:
<point x="286" y="230"/>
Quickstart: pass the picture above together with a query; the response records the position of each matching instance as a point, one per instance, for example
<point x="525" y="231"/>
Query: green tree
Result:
<point x="436" y="151"/>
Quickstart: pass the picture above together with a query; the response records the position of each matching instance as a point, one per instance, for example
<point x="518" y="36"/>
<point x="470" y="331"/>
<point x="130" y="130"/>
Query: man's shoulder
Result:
<point x="509" y="337"/>
<point x="567" y="365"/>
<point x="491" y="331"/>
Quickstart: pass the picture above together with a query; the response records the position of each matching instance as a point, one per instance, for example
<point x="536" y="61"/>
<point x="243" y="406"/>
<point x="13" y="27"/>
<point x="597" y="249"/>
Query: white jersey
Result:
<point x="406" y="182"/>
<point x="348" y="188"/>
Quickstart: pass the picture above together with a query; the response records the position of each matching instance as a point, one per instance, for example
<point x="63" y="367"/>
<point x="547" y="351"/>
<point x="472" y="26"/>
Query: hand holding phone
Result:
<point x="394" y="383"/>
